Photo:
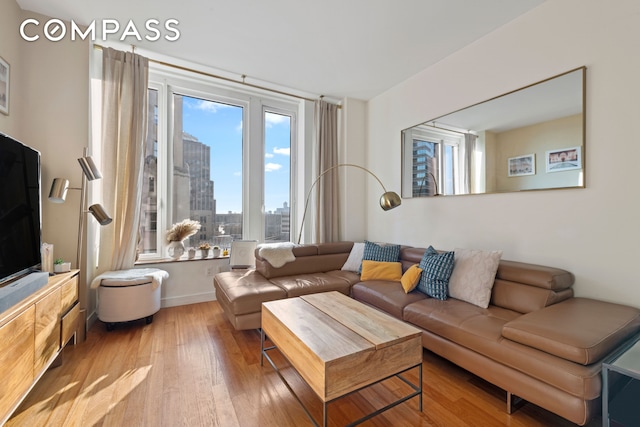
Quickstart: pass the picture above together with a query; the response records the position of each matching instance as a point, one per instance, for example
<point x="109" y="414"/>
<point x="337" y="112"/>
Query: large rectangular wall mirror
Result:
<point x="529" y="139"/>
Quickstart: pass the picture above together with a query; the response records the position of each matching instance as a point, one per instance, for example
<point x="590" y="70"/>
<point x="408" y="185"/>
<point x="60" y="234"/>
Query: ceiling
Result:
<point x="554" y="98"/>
<point x="336" y="48"/>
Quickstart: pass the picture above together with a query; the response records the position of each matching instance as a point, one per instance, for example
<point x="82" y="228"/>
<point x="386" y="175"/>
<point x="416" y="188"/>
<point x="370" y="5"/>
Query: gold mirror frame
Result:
<point x="532" y="138"/>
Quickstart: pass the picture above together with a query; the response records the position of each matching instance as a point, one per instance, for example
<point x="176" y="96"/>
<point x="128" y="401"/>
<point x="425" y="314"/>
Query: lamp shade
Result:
<point x="58" y="192"/>
<point x="100" y="214"/>
<point x="390" y="200"/>
<point x="89" y="168"/>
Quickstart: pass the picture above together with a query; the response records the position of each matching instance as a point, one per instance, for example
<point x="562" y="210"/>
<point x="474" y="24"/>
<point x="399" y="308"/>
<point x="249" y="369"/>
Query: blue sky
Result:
<point x="220" y="126"/>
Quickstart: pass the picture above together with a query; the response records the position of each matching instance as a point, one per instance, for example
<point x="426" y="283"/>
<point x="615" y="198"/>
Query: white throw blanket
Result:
<point x="277" y="254"/>
<point x="155" y="274"/>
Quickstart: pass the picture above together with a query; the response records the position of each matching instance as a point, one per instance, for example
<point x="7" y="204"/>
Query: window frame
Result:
<point x="292" y="159"/>
<point x="254" y="103"/>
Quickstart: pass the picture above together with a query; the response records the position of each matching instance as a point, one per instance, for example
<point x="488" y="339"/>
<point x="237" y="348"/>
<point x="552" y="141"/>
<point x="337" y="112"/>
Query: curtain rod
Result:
<point x="228" y="79"/>
<point x="447" y="129"/>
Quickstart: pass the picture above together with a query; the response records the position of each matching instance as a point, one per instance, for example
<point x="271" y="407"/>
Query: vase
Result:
<point x="62" y="268"/>
<point x="204" y="253"/>
<point x="175" y="249"/>
<point x="216" y="253"/>
<point x="191" y="253"/>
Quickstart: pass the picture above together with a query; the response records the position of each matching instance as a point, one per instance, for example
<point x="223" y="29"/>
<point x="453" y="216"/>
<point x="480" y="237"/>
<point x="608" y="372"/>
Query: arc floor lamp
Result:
<point x="58" y="194"/>
<point x="388" y="200"/>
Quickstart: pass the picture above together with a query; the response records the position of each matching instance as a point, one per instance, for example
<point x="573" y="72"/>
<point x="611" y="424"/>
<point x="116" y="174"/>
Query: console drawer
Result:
<point x="69" y="294"/>
<point x="69" y="324"/>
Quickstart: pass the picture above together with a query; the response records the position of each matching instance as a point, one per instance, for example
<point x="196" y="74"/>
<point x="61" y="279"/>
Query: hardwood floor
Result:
<point x="191" y="368"/>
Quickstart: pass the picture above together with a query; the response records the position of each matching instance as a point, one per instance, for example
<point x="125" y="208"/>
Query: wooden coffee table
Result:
<point x="339" y="345"/>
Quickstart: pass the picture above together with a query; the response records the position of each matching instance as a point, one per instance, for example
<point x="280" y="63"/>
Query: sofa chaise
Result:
<point x="535" y="339"/>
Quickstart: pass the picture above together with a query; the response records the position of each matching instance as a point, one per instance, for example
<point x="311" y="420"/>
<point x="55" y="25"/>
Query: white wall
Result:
<point x="10" y="52"/>
<point x="49" y="112"/>
<point x="189" y="282"/>
<point x="55" y="120"/>
<point x="352" y="142"/>
<point x="593" y="232"/>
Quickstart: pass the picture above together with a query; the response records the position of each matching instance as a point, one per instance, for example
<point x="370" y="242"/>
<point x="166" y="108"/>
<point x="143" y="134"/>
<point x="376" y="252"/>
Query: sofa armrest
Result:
<point x="581" y="330"/>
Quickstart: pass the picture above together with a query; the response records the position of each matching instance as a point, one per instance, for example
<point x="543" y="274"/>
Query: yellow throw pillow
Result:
<point x="410" y="278"/>
<point x="377" y="270"/>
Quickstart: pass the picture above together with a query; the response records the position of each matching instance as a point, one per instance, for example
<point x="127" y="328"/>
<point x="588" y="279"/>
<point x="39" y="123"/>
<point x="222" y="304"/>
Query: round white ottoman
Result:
<point x="123" y="300"/>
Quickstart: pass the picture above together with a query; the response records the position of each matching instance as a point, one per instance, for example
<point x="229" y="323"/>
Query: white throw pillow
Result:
<point x="474" y="272"/>
<point x="355" y="258"/>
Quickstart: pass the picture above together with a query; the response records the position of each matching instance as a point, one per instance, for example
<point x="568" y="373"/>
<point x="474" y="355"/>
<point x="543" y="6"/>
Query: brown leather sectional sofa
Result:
<point x="535" y="340"/>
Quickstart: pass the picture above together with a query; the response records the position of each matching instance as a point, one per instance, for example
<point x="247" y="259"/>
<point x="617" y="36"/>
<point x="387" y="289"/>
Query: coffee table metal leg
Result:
<point x="261" y="347"/>
<point x="417" y="389"/>
<point x="324" y="414"/>
<point x="420" y="378"/>
<point x="286" y="383"/>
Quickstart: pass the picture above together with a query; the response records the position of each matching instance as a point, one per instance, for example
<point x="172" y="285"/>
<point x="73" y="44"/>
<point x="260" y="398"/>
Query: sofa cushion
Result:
<point x="410" y="256"/>
<point x="304" y="284"/>
<point x="376" y="252"/>
<point x="411" y="278"/>
<point x="334" y="248"/>
<point x="348" y="276"/>
<point x="387" y="296"/>
<point x="375" y="270"/>
<point x="355" y="258"/>
<point x="474" y="272"/>
<point x="436" y="270"/>
<point x="304" y="264"/>
<point x="451" y="318"/>
<point x="579" y="329"/>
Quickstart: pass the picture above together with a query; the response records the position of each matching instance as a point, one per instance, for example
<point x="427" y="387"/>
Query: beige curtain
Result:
<point x="467" y="149"/>
<point x="327" y="227"/>
<point x="125" y="77"/>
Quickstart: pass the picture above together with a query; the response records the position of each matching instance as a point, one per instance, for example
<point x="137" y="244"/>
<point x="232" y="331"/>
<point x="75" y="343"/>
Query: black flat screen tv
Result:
<point x="20" y="209"/>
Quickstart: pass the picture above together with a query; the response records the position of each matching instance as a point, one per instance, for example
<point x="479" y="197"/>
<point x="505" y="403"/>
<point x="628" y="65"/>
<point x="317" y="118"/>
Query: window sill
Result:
<point x="181" y="259"/>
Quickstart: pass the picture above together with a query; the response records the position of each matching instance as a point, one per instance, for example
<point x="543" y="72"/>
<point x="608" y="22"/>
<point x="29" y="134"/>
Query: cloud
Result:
<point x="271" y="167"/>
<point x="272" y="119"/>
<point x="239" y="127"/>
<point x="237" y="174"/>
<point x="283" y="151"/>
<point x="204" y="105"/>
<point x="269" y="155"/>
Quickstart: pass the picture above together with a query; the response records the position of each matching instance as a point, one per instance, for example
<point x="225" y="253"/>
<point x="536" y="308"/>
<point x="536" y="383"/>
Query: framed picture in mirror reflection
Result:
<point x="522" y="165"/>
<point x="564" y="159"/>
<point x="4" y="86"/>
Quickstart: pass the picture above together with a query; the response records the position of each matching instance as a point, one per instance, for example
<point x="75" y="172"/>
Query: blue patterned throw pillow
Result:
<point x="436" y="270"/>
<point x="375" y="252"/>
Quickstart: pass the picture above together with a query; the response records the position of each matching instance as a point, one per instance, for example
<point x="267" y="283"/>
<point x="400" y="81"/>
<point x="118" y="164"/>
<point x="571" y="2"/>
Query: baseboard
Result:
<point x="91" y="319"/>
<point x="188" y="299"/>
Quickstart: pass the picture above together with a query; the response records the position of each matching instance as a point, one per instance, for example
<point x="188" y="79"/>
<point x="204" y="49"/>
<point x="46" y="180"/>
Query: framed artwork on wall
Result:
<point x="564" y="159"/>
<point x="522" y="165"/>
<point x="4" y="86"/>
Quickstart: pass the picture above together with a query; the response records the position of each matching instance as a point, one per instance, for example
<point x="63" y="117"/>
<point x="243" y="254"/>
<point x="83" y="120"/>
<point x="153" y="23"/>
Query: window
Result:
<point x="207" y="141"/>
<point x="425" y="166"/>
<point x="432" y="157"/>
<point x="219" y="156"/>
<point x="277" y="189"/>
<point x="148" y="234"/>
